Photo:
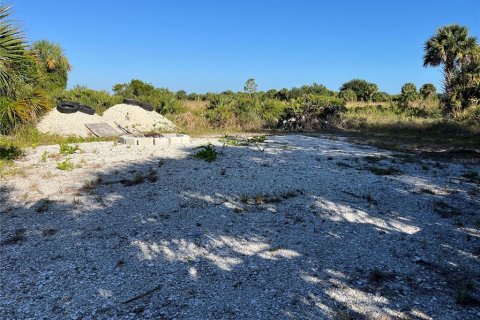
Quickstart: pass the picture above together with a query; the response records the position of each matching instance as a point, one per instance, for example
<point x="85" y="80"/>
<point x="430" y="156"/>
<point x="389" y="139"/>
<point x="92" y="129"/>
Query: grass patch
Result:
<point x="65" y="165"/>
<point x="67" y="149"/>
<point x="241" y="142"/>
<point x="207" y="153"/>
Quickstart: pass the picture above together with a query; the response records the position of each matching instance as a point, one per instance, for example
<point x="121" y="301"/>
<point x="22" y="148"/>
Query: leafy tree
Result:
<point x="53" y="64"/>
<point x="448" y="47"/>
<point x="12" y="51"/>
<point x="363" y="89"/>
<point x="181" y="95"/>
<point x="348" y="95"/>
<point x="409" y="94"/>
<point x="20" y="101"/>
<point x="250" y="86"/>
<point x="427" y="91"/>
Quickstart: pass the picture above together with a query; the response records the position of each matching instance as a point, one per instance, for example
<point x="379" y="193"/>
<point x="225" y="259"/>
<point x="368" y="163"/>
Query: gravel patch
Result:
<point x="67" y="124"/>
<point x="294" y="228"/>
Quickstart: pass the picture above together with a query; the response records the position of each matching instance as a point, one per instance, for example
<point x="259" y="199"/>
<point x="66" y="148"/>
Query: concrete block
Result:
<point x="177" y="138"/>
<point x="132" y="141"/>
<point x="145" y="141"/>
<point x="162" y="141"/>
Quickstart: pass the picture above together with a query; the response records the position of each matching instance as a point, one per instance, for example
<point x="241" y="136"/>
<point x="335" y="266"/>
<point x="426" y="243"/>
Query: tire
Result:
<point x="131" y="102"/>
<point x="67" y="107"/>
<point x="146" y="106"/>
<point x="86" y="109"/>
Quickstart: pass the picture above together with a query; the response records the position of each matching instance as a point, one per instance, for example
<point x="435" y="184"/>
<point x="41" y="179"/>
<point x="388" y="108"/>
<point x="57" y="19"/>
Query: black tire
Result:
<point x="146" y="106"/>
<point x="67" y="107"/>
<point x="131" y="102"/>
<point x="85" y="109"/>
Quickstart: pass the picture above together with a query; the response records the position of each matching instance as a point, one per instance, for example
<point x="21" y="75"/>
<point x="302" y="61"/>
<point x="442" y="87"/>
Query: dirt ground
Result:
<point x="293" y="228"/>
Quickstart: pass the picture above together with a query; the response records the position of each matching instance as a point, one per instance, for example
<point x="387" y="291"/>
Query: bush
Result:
<point x="97" y="99"/>
<point x="163" y="100"/>
<point x="313" y="112"/>
<point x="363" y="89"/>
<point x="348" y="95"/>
<point x="25" y="110"/>
<point x="207" y="153"/>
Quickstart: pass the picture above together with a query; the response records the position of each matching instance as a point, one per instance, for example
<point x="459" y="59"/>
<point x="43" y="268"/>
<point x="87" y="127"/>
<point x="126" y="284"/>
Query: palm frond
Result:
<point x="12" y="49"/>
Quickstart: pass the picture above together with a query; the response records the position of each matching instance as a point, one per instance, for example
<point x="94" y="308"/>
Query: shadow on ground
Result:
<point x="255" y="234"/>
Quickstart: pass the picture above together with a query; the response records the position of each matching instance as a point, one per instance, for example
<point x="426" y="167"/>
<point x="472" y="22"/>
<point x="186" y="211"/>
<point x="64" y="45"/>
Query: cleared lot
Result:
<point x="297" y="227"/>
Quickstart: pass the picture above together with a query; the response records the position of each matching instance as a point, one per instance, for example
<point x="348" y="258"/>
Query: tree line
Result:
<point x="33" y="78"/>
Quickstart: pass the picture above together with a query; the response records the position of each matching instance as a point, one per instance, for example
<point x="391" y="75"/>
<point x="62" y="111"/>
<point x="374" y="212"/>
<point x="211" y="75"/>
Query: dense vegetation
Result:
<point x="33" y="78"/>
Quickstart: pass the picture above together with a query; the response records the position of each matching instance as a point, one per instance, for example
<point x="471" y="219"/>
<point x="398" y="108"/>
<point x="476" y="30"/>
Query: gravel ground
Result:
<point x="296" y="228"/>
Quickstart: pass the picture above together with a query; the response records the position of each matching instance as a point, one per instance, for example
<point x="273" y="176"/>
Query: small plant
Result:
<point x="10" y="153"/>
<point x="207" y="153"/>
<point x="65" y="165"/>
<point x="44" y="156"/>
<point x="259" y="199"/>
<point x="138" y="178"/>
<point x="66" y="149"/>
<point x="152" y="175"/>
<point x="244" y="198"/>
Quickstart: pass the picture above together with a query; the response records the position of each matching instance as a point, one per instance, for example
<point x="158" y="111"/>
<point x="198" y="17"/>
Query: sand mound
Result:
<point x="130" y="117"/>
<point x="127" y="116"/>
<point x="67" y="124"/>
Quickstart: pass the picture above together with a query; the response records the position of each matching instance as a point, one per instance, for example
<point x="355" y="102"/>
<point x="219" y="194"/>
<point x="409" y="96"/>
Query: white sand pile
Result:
<point x="68" y="124"/>
<point x="134" y="117"/>
<point x="127" y="116"/>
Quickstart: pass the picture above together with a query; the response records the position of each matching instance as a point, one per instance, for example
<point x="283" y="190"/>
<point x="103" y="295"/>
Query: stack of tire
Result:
<point x="72" y="107"/>
<point x="142" y="105"/>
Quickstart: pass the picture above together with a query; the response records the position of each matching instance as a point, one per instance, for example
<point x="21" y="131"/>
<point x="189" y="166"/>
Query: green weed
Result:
<point x="207" y="153"/>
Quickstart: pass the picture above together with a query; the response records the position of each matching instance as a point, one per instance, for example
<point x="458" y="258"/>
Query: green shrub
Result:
<point x="348" y="95"/>
<point x="10" y="152"/>
<point x="363" y="89"/>
<point x="207" y="153"/>
<point x="163" y="100"/>
<point x="98" y="100"/>
<point x="65" y="165"/>
<point x="68" y="149"/>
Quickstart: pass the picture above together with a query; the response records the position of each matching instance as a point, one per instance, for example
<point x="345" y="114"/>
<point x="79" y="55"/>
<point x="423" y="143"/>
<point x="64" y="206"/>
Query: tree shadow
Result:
<point x="242" y="237"/>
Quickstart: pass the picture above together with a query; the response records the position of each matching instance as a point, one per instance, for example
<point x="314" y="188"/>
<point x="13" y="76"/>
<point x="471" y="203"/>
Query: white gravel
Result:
<point x="128" y="116"/>
<point x="292" y="229"/>
<point x="67" y="124"/>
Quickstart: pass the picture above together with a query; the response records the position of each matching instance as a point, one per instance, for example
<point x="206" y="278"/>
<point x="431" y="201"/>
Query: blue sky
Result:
<point x="213" y="46"/>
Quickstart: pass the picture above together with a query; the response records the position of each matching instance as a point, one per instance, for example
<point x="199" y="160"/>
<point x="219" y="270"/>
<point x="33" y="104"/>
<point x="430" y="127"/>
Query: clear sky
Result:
<point x="213" y="46"/>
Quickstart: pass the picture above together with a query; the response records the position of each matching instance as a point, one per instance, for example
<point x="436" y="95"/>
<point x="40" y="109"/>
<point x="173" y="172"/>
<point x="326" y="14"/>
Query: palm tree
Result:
<point x="448" y="47"/>
<point x="12" y="50"/>
<point x="53" y="62"/>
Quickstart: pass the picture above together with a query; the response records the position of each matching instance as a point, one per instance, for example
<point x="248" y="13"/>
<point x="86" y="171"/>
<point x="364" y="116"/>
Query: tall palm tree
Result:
<point x="12" y="50"/>
<point x="52" y="61"/>
<point x="448" y="47"/>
